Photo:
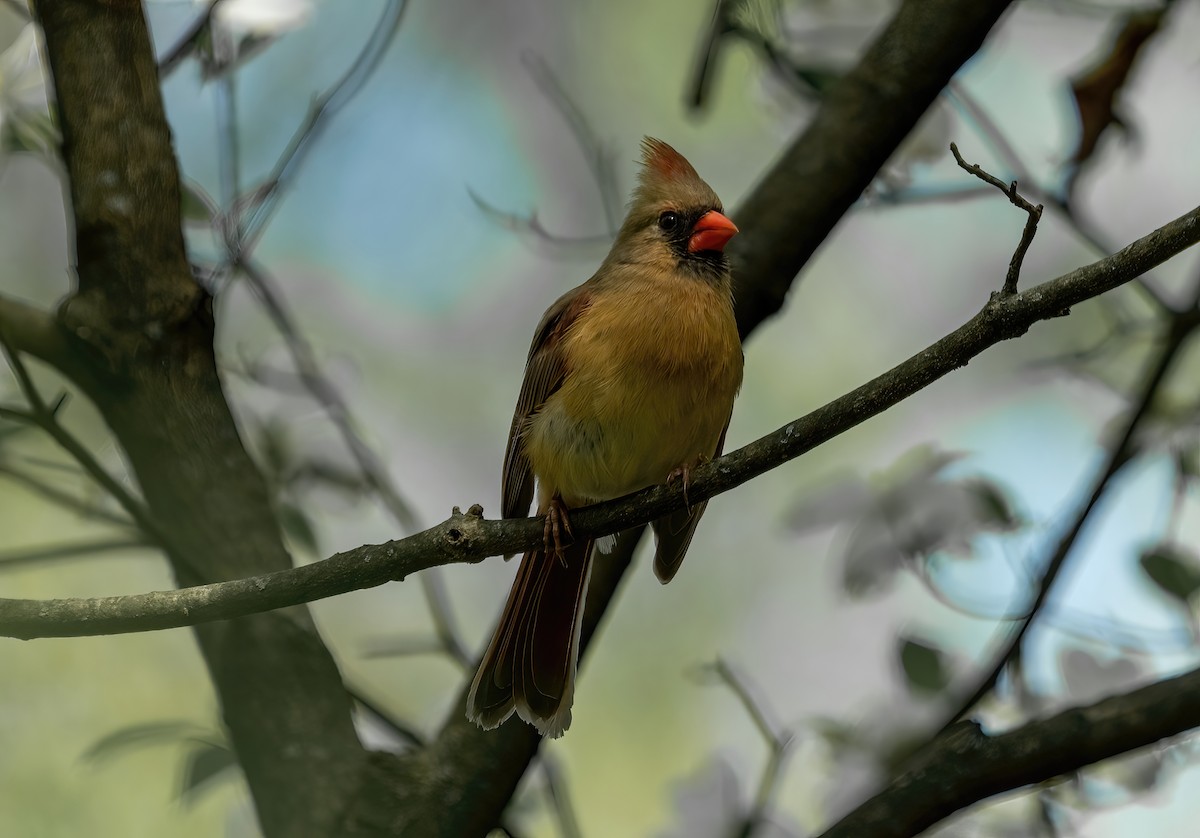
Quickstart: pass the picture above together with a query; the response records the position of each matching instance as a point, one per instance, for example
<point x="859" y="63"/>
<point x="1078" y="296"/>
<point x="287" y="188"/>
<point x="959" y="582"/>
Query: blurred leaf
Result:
<point x="205" y="762"/>
<point x="1095" y="91"/>
<point x="870" y="560"/>
<point x="992" y="504"/>
<point x="298" y="527"/>
<point x="831" y="501"/>
<point x="1173" y="569"/>
<point x="1089" y="678"/>
<point x="140" y="736"/>
<point x="924" y="666"/>
<point x="909" y="511"/>
<point x="275" y="449"/>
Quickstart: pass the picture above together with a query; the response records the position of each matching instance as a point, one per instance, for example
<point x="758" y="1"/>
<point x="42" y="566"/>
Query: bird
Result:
<point x="630" y="382"/>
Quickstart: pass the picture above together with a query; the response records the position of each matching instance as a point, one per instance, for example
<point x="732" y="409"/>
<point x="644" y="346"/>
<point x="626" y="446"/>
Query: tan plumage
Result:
<point x="630" y="378"/>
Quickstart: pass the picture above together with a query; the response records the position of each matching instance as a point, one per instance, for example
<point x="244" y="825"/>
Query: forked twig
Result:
<point x="1014" y="197"/>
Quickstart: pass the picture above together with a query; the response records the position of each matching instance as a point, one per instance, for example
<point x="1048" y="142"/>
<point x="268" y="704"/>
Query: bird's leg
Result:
<point x="557" y="522"/>
<point x="683" y="474"/>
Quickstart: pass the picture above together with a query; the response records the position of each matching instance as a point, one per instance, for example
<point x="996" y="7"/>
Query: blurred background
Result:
<point x="418" y="236"/>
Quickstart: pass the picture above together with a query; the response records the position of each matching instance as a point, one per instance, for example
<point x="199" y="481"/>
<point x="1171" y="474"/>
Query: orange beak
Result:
<point x="712" y="232"/>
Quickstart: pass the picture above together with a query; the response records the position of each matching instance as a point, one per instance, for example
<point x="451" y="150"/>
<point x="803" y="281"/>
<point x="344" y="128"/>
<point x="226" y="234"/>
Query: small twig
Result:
<point x="1034" y="211"/>
<point x="995" y="137"/>
<point x="10" y="559"/>
<point x="45" y="417"/>
<point x="369" y="463"/>
<point x="600" y="159"/>
<point x="990" y="130"/>
<point x="401" y="729"/>
<point x="777" y="742"/>
<point x="187" y="43"/>
<point x="62" y="498"/>
<point x="262" y="200"/>
<point x="560" y="799"/>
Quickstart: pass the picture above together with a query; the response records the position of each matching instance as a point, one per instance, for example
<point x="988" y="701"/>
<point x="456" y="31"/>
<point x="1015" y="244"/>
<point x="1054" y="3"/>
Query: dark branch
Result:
<point x="1120" y="454"/>
<point x="1010" y="191"/>
<point x="965" y="766"/>
<point x="861" y="121"/>
<point x="470" y="538"/>
<point x="18" y="557"/>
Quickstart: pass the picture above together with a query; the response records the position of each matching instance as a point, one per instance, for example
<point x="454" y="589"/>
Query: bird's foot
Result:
<point x="557" y="522"/>
<point x="683" y="474"/>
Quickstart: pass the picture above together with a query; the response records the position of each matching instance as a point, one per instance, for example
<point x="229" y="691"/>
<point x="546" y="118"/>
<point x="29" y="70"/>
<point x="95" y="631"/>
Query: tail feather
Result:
<point x="529" y="666"/>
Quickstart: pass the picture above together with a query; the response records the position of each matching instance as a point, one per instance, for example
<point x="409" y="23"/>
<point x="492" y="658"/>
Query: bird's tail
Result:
<point x="530" y="664"/>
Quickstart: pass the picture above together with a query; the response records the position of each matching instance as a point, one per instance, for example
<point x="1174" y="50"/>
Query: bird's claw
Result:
<point x="557" y="522"/>
<point x="683" y="474"/>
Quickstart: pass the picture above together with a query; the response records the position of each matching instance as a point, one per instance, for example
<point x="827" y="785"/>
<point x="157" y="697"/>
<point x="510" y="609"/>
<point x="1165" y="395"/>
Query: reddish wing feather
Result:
<point x="544" y="373"/>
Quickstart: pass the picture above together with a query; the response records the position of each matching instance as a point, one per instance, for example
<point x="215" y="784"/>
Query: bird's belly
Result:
<point x="602" y="439"/>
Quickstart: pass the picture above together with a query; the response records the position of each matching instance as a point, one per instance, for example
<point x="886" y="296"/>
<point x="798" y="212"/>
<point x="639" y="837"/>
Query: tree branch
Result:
<point x="966" y="766"/>
<point x="1010" y="192"/>
<point x="29" y="329"/>
<point x="469" y="538"/>
<point x="861" y="121"/>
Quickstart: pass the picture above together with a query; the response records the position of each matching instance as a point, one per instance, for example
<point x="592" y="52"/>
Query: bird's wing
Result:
<point x="674" y="532"/>
<point x="544" y="373"/>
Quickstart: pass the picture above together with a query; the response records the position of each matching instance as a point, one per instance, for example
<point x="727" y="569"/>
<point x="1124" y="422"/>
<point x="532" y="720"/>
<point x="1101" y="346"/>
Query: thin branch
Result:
<point x="966" y="766"/>
<point x="10" y="559"/>
<point x="1120" y="454"/>
<point x="1010" y="191"/>
<point x="373" y="470"/>
<point x="469" y="538"/>
<point x="29" y="329"/>
<point x="325" y="393"/>
<point x="993" y="134"/>
<point x="46" y="418"/>
<point x="600" y="159"/>
<point x="560" y="800"/>
<point x="264" y="198"/>
<point x="187" y="42"/>
<point x="62" y="498"/>
<point x="403" y="731"/>
<point x="778" y="743"/>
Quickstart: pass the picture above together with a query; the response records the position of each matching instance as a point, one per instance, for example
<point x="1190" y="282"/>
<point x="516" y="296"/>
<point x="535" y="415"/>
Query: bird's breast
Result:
<point x="651" y="378"/>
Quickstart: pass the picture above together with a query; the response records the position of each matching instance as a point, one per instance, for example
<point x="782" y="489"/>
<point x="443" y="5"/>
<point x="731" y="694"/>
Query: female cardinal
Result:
<point x="630" y="381"/>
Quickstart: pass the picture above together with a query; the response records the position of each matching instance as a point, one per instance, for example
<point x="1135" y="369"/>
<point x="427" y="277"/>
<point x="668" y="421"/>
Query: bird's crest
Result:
<point x="663" y="164"/>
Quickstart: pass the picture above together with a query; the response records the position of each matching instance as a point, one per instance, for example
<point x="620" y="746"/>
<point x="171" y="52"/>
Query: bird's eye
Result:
<point x="669" y="221"/>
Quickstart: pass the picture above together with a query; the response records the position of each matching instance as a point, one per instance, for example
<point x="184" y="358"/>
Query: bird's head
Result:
<point x="675" y="220"/>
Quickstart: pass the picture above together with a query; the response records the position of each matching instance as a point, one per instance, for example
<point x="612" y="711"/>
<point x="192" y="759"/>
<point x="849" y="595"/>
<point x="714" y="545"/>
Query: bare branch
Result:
<point x="62" y="498"/>
<point x="264" y="198"/>
<point x="560" y="800"/>
<point x="46" y="418"/>
<point x="778" y="743"/>
<point x="35" y="332"/>
<point x="1010" y="191"/>
<point x="469" y="538"/>
<point x="965" y="766"/>
<point x="10" y="559"/>
<point x="187" y="42"/>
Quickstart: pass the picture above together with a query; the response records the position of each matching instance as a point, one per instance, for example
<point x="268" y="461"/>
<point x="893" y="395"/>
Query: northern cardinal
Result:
<point x="630" y="381"/>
